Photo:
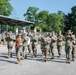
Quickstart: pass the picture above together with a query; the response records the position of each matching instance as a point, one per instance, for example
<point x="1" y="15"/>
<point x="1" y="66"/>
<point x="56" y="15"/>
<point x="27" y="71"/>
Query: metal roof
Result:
<point x="13" y="21"/>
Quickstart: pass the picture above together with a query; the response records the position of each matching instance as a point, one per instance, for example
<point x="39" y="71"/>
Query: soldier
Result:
<point x="9" y="39"/>
<point x="50" y="44"/>
<point x="18" y="47"/>
<point x="53" y="43"/>
<point x="25" y="45"/>
<point x="42" y="44"/>
<point x="46" y="45"/>
<point x="59" y="43"/>
<point x="73" y="47"/>
<point x="68" y="45"/>
<point x="34" y="44"/>
<point x="29" y="43"/>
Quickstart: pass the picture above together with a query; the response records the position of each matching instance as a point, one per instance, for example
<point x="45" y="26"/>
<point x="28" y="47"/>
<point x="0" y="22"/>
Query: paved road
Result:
<point x="35" y="66"/>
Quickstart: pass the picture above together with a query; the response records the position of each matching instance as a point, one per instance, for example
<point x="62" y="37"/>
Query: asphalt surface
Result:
<point x="35" y="66"/>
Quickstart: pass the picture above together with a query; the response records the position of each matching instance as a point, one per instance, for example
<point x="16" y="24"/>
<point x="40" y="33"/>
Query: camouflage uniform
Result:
<point x="59" y="43"/>
<point x="34" y="45"/>
<point x="53" y="43"/>
<point x="9" y="40"/>
<point x="50" y="44"/>
<point x="73" y="47"/>
<point x="46" y="45"/>
<point x="25" y="45"/>
<point x="68" y="46"/>
<point x="18" y="47"/>
<point x="42" y="45"/>
<point x="29" y="44"/>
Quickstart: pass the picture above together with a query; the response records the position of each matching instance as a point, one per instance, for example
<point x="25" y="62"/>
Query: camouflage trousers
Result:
<point x="59" y="47"/>
<point x="52" y="51"/>
<point x="34" y="49"/>
<point x="52" y="46"/>
<point x="73" y="51"/>
<point x="46" y="51"/>
<point x="68" y="51"/>
<point x="25" y="48"/>
<point x="29" y="48"/>
<point x="9" y="50"/>
<point x="42" y="49"/>
<point x="19" y="52"/>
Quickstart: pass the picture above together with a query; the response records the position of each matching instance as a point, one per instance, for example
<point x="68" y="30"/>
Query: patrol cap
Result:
<point x="53" y="32"/>
<point x="69" y="32"/>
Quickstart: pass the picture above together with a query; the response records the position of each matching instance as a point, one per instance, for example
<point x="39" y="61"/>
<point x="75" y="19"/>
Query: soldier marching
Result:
<point x="48" y="44"/>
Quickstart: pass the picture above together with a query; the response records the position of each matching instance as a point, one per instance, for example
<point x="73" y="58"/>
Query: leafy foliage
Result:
<point x="45" y="20"/>
<point x="5" y="7"/>
<point x="71" y="20"/>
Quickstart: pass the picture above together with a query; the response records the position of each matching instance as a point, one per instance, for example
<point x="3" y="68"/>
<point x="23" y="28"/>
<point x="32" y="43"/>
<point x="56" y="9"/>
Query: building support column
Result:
<point x="6" y="28"/>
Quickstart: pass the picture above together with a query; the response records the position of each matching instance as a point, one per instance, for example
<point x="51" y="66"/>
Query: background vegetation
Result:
<point x="44" y="19"/>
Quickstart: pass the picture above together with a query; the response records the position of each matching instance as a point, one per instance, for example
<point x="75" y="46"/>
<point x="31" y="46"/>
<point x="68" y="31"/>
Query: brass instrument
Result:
<point x="37" y="29"/>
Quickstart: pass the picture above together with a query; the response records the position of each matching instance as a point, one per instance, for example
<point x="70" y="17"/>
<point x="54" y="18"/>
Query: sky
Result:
<point x="21" y="6"/>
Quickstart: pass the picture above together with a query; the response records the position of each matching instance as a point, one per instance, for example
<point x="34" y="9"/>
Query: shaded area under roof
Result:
<point x="12" y="21"/>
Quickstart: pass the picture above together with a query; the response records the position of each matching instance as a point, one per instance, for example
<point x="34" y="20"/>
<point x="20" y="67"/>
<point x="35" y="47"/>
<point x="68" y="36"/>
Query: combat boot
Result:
<point x="33" y="56"/>
<point x="18" y="61"/>
<point x="68" y="60"/>
<point x="72" y="59"/>
<point x="25" y="57"/>
<point x="8" y="56"/>
<point x="59" y="55"/>
<point x="52" y="57"/>
<point x="46" y="59"/>
<point x="22" y="58"/>
<point x="11" y="55"/>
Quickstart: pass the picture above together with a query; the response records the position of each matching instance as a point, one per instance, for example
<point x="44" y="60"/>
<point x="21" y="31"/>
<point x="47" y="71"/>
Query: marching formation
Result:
<point x="48" y="42"/>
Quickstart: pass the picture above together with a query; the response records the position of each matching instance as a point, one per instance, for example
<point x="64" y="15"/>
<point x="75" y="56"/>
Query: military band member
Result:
<point x="42" y="45"/>
<point x="25" y="46"/>
<point x="34" y="44"/>
<point x="18" y="47"/>
<point x="68" y="45"/>
<point x="29" y="44"/>
<point x="73" y="47"/>
<point x="53" y="43"/>
<point x="9" y="39"/>
<point x="46" y="45"/>
<point x="59" y="43"/>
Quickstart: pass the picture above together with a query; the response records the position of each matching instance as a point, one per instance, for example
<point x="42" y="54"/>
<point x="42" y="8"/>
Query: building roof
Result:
<point x="13" y="21"/>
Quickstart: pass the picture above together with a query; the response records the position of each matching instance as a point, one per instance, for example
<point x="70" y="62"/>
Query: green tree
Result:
<point x="42" y="17"/>
<point x="30" y="14"/>
<point x="45" y="20"/>
<point x="6" y="10"/>
<point x="5" y="7"/>
<point x="71" y="20"/>
<point x="56" y="21"/>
